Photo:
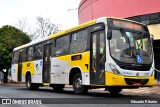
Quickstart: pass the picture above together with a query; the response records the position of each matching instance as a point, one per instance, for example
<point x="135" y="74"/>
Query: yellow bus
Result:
<point x="108" y="53"/>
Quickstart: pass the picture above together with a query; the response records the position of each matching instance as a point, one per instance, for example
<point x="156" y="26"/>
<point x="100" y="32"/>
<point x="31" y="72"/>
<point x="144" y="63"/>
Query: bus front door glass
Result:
<point x="97" y="73"/>
<point x="46" y="63"/>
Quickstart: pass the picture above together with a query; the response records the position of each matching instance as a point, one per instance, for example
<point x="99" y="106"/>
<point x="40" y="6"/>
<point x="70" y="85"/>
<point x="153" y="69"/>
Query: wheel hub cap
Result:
<point x="78" y="83"/>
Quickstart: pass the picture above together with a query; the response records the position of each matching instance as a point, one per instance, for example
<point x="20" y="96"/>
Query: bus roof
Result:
<point x="89" y="23"/>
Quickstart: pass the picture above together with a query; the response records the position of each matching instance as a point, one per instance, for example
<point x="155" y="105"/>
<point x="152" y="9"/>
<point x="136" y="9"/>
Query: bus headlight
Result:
<point x="114" y="69"/>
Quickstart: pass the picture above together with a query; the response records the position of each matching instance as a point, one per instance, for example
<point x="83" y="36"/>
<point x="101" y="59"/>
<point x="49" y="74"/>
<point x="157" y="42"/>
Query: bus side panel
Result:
<point x="38" y="67"/>
<point x="59" y="71"/>
<point x="14" y="72"/>
<point x="35" y="68"/>
<point x="61" y="67"/>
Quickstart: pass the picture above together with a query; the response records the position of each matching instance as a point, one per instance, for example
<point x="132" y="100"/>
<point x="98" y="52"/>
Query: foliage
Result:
<point x="10" y="37"/>
<point x="5" y="57"/>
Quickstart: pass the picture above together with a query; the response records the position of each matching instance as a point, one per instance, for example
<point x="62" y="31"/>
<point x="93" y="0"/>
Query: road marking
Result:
<point x="3" y="97"/>
<point x="41" y="106"/>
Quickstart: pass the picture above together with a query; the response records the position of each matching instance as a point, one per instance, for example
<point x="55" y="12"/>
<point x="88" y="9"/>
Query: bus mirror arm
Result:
<point x="109" y="34"/>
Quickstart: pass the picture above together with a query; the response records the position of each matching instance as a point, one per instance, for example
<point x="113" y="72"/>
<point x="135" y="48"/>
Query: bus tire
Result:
<point x="58" y="87"/>
<point x="29" y="85"/>
<point x="114" y="90"/>
<point x="77" y="87"/>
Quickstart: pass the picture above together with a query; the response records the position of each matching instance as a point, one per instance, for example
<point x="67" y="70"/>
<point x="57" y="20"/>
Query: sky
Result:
<point x="56" y="10"/>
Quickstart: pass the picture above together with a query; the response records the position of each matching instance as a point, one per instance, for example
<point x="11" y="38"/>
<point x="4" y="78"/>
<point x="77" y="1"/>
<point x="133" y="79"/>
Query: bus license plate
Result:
<point x="136" y="84"/>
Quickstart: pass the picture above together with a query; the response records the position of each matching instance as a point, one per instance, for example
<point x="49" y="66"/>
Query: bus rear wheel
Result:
<point x="114" y="90"/>
<point x="77" y="86"/>
<point x="29" y="85"/>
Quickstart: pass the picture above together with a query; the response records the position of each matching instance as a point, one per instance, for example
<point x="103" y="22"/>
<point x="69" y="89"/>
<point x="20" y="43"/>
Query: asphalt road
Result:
<point x="94" y="98"/>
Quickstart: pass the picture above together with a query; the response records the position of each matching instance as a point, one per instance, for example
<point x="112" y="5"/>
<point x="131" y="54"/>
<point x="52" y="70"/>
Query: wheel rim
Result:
<point x="78" y="83"/>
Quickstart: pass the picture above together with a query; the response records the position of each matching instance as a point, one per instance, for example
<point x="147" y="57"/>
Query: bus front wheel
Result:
<point x="77" y="86"/>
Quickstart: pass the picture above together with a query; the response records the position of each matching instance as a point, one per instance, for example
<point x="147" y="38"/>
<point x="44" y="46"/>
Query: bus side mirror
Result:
<point x="109" y="34"/>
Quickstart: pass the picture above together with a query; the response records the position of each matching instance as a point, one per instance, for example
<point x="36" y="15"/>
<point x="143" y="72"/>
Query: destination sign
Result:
<point x="128" y="25"/>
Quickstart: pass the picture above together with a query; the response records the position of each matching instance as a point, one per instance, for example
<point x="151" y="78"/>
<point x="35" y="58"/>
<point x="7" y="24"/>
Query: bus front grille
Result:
<point x="130" y="81"/>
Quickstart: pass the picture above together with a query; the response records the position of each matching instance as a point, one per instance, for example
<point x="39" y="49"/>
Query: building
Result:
<point x="144" y="11"/>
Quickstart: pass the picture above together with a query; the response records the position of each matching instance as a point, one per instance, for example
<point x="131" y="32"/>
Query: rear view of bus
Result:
<point x="129" y="58"/>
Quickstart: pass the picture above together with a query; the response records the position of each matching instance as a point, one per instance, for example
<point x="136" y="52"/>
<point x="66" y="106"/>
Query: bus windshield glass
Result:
<point x="131" y="47"/>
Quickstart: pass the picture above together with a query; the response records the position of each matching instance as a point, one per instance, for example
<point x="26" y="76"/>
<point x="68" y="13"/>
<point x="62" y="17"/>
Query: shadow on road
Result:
<point x="91" y="93"/>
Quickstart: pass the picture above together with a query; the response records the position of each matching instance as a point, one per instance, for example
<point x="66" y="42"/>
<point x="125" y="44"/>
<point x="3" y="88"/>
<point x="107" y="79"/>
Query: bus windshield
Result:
<point x="131" y="47"/>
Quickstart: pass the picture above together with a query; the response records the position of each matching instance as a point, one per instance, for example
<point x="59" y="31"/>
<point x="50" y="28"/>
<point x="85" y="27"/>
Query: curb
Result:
<point x="23" y="84"/>
<point x="157" y="84"/>
<point x="12" y="84"/>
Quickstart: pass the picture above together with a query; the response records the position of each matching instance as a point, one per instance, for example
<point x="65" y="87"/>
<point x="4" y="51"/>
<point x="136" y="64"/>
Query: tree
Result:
<point x="10" y="37"/>
<point x="45" y="28"/>
<point x="22" y="24"/>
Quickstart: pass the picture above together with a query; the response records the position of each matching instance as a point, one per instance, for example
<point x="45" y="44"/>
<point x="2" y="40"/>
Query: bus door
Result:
<point x="20" y="66"/>
<point x="46" y="63"/>
<point x="97" y="73"/>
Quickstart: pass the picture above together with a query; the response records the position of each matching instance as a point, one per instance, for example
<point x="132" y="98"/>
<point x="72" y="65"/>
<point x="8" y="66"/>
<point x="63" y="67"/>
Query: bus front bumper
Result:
<point x="118" y="80"/>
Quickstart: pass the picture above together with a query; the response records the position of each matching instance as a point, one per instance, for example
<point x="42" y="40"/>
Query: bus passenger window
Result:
<point x="62" y="46"/>
<point x="79" y="41"/>
<point x="15" y="57"/>
<point x="29" y="53"/>
<point x="38" y="54"/>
